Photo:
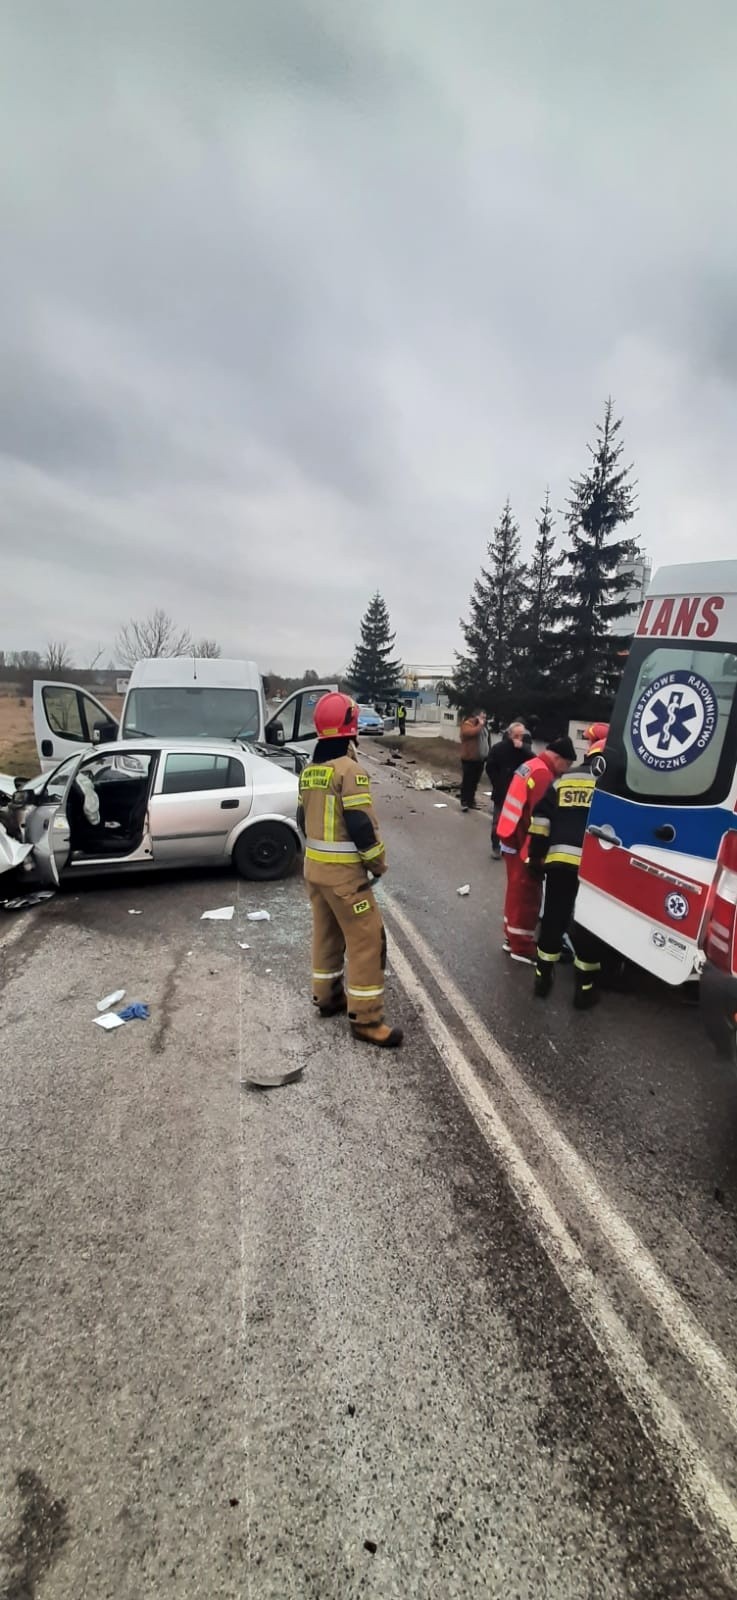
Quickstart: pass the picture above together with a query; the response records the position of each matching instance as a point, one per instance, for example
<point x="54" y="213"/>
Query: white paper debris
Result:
<point x="464" y="889"/>
<point x="441" y="805"/>
<point x="222" y="914"/>
<point x="258" y="916"/>
<point x="243" y="946"/>
<point x="110" y="1000"/>
<point x="135" y="913"/>
<point x="110" y="1020"/>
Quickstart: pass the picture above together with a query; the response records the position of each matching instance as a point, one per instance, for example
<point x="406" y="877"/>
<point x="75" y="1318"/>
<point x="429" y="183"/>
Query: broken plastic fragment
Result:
<point x="464" y="889"/>
<point x="243" y="946"/>
<point x="135" y="913"/>
<point x="261" y="1081"/>
<point x="258" y="916"/>
<point x="441" y="805"/>
<point x="110" y="1000"/>
<point x="21" y="902"/>
<point x="222" y="914"/>
<point x="110" y="1020"/>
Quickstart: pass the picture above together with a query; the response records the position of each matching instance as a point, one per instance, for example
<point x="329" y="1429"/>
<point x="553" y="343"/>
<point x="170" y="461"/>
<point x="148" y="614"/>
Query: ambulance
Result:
<point x="662" y="833"/>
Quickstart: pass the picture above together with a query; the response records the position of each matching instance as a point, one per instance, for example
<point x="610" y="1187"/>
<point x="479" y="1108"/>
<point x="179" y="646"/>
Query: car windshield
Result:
<point x="198" y="711"/>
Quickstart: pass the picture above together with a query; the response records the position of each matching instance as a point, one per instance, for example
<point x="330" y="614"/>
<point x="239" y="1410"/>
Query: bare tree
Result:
<point x="26" y="660"/>
<point x="57" y="657"/>
<point x="156" y="635"/>
<point x="93" y="663"/>
<point x="207" y="649"/>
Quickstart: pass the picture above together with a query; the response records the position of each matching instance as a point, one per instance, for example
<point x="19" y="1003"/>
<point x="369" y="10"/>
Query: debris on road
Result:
<point x="137" y="1011"/>
<point x="261" y="1081"/>
<point x="21" y="902"/>
<point x="464" y="889"/>
<point x="441" y="805"/>
<point x="243" y="946"/>
<point x="258" y="916"/>
<point x="423" y="779"/>
<point x="222" y="914"/>
<point x="110" y="1020"/>
<point x="110" y="1000"/>
<point x="135" y="913"/>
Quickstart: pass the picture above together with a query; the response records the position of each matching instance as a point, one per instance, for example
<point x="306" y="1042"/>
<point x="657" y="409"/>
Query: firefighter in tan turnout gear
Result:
<point x="344" y="850"/>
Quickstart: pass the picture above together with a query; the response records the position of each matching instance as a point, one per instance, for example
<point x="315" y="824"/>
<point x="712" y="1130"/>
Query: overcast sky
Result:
<point x="295" y="292"/>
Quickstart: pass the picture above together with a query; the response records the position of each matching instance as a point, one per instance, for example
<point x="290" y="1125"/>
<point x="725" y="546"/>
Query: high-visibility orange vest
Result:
<point x="529" y="783"/>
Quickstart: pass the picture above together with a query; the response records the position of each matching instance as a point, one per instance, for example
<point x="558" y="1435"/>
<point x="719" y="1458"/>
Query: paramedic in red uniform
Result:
<point x="524" y="889"/>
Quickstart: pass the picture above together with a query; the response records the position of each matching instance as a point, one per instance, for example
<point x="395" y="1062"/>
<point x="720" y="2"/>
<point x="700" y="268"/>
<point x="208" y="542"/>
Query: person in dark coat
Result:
<point x="504" y="758"/>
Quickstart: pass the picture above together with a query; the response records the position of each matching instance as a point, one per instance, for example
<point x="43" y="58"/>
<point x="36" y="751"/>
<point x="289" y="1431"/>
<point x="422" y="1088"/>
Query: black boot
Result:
<point x="543" y="979"/>
<point x="586" y="993"/>
<point x="333" y="1008"/>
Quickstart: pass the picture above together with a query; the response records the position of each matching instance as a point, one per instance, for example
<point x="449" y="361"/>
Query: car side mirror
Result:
<point x="275" y="733"/>
<point x="104" y="733"/>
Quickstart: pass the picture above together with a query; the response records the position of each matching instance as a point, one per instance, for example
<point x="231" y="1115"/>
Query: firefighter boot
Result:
<point x="544" y="973"/>
<point x="586" y="993"/>
<point x="378" y="1033"/>
<point x="335" y="1007"/>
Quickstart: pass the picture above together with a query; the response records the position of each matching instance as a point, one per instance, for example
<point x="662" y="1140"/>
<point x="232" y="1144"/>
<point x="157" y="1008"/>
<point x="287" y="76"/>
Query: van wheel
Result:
<point x="265" y="851"/>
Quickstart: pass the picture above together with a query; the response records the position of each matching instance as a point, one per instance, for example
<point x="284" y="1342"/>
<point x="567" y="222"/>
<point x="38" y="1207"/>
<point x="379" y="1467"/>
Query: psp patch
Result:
<point x="362" y="780"/>
<point x="674" y="721"/>
<point x="361" y="906"/>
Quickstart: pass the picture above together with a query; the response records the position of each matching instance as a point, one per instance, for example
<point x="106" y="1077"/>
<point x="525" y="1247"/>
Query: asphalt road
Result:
<point x="454" y="1322"/>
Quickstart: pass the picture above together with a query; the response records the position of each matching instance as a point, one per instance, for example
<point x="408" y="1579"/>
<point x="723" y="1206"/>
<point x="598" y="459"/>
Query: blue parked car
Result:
<point x="369" y="721"/>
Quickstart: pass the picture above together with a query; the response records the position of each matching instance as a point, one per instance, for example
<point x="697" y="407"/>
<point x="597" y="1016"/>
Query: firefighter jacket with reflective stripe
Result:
<point x="527" y="787"/>
<point x="559" y="820"/>
<point x="338" y="818"/>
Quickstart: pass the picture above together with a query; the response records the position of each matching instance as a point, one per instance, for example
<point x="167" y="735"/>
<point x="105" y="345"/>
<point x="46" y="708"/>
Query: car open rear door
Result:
<point x="64" y="718"/>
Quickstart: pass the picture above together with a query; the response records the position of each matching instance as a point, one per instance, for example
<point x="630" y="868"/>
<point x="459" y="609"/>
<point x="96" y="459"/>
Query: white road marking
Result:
<point x="682" y="1326"/>
<point x="703" y="1495"/>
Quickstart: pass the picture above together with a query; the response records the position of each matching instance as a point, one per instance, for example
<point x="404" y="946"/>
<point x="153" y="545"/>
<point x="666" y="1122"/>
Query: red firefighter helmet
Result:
<point x="597" y="734"/>
<point x="336" y="717"/>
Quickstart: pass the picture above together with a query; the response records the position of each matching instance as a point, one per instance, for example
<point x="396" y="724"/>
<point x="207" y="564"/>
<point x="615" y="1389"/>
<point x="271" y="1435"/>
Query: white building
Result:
<point x="425" y="677"/>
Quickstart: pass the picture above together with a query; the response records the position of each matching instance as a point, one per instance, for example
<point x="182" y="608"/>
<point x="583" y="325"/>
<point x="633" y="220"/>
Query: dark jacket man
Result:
<point x="514" y="747"/>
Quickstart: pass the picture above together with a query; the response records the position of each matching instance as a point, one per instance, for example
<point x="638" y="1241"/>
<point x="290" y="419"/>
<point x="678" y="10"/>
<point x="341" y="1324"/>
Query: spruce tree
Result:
<point x="538" y="644"/>
<point x="484" y="672"/>
<point x="373" y="674"/>
<point x="594" y="592"/>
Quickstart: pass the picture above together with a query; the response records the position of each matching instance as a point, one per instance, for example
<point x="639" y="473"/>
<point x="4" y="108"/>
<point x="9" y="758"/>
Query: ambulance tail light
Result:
<point x="719" y="928"/>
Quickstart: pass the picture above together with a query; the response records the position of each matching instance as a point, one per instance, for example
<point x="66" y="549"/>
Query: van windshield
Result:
<point x="197" y="711"/>
<point x="673" y="736"/>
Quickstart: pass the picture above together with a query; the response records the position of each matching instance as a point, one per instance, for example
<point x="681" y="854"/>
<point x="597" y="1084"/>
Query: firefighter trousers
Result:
<point x="561" y="888"/>
<point x="521" y="906"/>
<point x="346" y="922"/>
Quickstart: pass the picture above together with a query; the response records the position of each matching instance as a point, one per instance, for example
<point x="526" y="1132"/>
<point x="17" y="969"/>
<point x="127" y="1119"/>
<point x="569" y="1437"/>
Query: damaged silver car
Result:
<point x="139" y="806"/>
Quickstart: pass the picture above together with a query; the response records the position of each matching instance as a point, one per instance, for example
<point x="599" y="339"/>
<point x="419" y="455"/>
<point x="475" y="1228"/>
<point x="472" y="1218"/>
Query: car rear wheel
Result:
<point x="265" y="851"/>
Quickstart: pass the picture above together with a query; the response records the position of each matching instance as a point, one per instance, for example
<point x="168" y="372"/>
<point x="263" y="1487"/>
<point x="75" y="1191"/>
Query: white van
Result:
<point x="174" y="697"/>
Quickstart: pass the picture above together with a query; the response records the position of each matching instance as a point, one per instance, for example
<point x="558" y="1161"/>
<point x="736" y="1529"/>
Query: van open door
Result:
<point x="294" y="722"/>
<point x="718" y="987"/>
<point x="64" y="721"/>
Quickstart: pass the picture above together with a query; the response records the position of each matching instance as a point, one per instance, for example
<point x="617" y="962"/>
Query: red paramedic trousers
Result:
<point x="521" y="907"/>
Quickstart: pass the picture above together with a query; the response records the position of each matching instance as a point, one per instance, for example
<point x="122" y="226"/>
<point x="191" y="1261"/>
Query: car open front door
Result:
<point x="64" y="719"/>
<point x="296" y="717"/>
<point x="47" y="830"/>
